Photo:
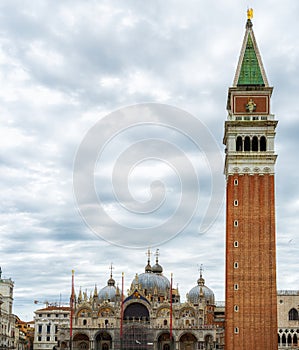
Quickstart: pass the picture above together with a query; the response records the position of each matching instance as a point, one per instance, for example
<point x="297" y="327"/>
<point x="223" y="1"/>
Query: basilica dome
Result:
<point x="109" y="292"/>
<point x="153" y="283"/>
<point x="201" y="293"/>
<point x="152" y="280"/>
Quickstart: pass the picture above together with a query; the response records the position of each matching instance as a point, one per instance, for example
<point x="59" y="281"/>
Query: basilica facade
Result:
<point x="150" y="316"/>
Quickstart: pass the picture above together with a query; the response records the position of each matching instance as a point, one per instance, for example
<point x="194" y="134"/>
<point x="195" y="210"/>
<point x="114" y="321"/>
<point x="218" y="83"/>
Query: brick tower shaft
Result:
<point x="250" y="263"/>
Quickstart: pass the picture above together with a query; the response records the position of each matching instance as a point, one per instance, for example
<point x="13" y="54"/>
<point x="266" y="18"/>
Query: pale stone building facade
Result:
<point x="10" y="336"/>
<point x="48" y="321"/>
<point x="288" y="319"/>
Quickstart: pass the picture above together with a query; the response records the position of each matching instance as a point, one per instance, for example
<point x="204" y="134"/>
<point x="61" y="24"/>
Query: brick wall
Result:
<point x="251" y="316"/>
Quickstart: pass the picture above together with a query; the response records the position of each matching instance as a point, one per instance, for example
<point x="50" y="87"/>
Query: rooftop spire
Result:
<point x="148" y="267"/>
<point x="157" y="256"/>
<point x="200" y="270"/>
<point x="250" y="70"/>
<point x="95" y="293"/>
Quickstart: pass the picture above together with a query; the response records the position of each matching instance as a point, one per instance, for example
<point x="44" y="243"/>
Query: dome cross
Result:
<point x="111" y="268"/>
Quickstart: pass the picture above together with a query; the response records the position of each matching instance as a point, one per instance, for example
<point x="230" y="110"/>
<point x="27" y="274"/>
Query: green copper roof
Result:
<point x="250" y="73"/>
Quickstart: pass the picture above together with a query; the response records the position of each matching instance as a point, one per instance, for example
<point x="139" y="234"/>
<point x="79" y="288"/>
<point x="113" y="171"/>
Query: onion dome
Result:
<point x="111" y="281"/>
<point x="201" y="293"/>
<point x="157" y="268"/>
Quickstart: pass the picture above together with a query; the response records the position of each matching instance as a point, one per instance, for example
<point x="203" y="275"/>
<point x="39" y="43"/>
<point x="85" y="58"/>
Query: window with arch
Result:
<point x="247" y="144"/>
<point x="283" y="340"/>
<point x="289" y="339"/>
<point x="239" y="144"/>
<point x="263" y="144"/>
<point x="295" y="339"/>
<point x="293" y="315"/>
<point x="255" y="144"/>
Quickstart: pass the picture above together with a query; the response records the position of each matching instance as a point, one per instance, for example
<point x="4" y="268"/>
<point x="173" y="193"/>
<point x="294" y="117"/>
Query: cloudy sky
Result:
<point x="69" y="69"/>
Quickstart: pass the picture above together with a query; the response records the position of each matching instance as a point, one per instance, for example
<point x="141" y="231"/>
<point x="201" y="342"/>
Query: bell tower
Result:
<point x="251" y="310"/>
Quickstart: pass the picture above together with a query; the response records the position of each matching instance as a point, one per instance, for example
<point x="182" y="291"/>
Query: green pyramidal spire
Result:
<point x="250" y="70"/>
<point x="250" y="73"/>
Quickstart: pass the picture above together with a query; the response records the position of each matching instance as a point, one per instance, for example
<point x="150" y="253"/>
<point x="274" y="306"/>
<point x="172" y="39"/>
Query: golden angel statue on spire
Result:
<point x="250" y="13"/>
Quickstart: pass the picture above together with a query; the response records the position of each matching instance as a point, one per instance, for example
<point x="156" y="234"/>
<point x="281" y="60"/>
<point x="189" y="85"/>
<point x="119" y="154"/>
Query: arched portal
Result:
<point x="188" y="342"/>
<point x="80" y="342"/>
<point x="137" y="336"/>
<point x="209" y="342"/>
<point x="164" y="341"/>
<point x="103" y="341"/>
